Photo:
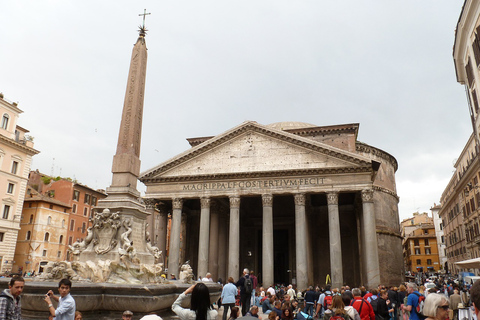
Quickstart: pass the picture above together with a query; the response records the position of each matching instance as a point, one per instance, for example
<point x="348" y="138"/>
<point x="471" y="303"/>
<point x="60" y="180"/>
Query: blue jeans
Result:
<point x="309" y="309"/>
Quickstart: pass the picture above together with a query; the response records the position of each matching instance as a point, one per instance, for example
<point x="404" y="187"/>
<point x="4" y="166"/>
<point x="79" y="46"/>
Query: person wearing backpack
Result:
<point x="363" y="307"/>
<point x="337" y="310"/>
<point x="322" y="305"/>
<point x="413" y="300"/>
<point x="246" y="286"/>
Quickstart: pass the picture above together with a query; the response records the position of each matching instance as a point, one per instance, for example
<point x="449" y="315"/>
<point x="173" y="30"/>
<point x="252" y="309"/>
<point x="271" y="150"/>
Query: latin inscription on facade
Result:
<point x="253" y="184"/>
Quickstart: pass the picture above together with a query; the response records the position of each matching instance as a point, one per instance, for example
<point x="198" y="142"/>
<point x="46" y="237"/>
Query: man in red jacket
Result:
<point x="363" y="307"/>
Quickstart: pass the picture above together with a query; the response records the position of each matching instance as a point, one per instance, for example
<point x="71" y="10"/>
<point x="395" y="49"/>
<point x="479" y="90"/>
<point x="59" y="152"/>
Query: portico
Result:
<point x="291" y="208"/>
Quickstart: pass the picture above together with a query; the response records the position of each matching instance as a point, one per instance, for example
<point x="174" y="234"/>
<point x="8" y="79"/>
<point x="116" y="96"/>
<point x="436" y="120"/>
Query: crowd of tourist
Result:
<point x="246" y="298"/>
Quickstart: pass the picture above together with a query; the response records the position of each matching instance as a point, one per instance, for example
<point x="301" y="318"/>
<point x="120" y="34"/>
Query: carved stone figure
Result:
<point x="127" y="248"/>
<point x="152" y="249"/>
<point x="186" y="273"/>
<point x="77" y="247"/>
<point x="58" y="271"/>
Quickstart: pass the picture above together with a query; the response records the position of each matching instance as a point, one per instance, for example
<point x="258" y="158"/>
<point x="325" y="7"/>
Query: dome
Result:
<point x="290" y="125"/>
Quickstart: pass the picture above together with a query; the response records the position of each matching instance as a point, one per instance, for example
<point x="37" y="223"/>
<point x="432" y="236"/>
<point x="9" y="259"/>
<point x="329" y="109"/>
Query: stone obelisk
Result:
<point x="125" y="213"/>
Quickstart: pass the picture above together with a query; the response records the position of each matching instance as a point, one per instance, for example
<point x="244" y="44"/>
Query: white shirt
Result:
<point x="207" y="279"/>
<point x="187" y="314"/>
<point x="271" y="290"/>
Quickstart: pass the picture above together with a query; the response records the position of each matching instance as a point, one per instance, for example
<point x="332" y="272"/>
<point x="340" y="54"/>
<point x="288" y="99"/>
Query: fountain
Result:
<point x="116" y="267"/>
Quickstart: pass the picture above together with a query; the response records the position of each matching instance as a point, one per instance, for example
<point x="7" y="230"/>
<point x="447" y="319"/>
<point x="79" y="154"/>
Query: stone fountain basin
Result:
<point x="108" y="298"/>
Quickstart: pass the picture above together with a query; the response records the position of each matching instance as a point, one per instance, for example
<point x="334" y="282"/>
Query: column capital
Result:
<point x="367" y="195"/>
<point x="234" y="201"/>
<point x="267" y="200"/>
<point x="149" y="203"/>
<point x="177" y="203"/>
<point x="299" y="199"/>
<point x="205" y="203"/>
<point x="332" y="198"/>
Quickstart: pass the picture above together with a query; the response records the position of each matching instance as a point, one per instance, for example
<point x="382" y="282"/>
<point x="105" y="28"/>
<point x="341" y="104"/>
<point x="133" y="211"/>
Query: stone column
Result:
<point x="234" y="239"/>
<point x="162" y="229"/>
<point x="267" y="240"/>
<point x="213" y="251"/>
<point x="203" y="238"/>
<point x="222" y="247"/>
<point x="336" y="267"/>
<point x="370" y="245"/>
<point x="174" y="248"/>
<point x="301" y="241"/>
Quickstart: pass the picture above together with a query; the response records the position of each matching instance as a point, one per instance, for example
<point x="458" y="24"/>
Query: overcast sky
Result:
<point x="214" y="64"/>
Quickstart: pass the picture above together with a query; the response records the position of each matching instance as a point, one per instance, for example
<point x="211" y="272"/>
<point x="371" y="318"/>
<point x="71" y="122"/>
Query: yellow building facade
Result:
<point x="16" y="152"/>
<point x="42" y="236"/>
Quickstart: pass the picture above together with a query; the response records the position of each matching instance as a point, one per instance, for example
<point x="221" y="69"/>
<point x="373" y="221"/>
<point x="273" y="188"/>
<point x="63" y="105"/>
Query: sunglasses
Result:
<point x="444" y="307"/>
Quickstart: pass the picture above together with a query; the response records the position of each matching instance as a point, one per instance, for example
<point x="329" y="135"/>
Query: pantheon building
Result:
<point x="294" y="202"/>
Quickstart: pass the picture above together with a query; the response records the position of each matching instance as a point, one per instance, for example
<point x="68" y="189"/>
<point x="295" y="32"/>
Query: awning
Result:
<point x="471" y="263"/>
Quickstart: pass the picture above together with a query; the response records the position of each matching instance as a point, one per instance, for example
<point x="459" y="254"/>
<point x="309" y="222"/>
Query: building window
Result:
<point x="428" y="251"/>
<point x="6" y="210"/>
<point x="87" y="199"/>
<point x="70" y="239"/>
<point x="416" y="243"/>
<point x="94" y="201"/>
<point x="51" y="207"/>
<point x="443" y="239"/>
<point x="59" y="253"/>
<point x="31" y="219"/>
<point x="429" y="262"/>
<point x="60" y="239"/>
<point x="2" y="235"/>
<point x="85" y="211"/>
<point x="426" y="242"/>
<point x="47" y="236"/>
<point x="74" y="208"/>
<point x="63" y="223"/>
<point x="5" y="119"/>
<point x="76" y="195"/>
<point x="72" y="224"/>
<point x="14" y="167"/>
<point x="419" y="262"/>
<point x="44" y="253"/>
<point x="10" y="188"/>
<point x="29" y="235"/>
<point x="49" y="220"/>
<point x="84" y="226"/>
<point x="417" y="251"/>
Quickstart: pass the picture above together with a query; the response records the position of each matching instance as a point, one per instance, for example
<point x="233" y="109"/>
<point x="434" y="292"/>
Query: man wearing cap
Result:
<point x="127" y="315"/>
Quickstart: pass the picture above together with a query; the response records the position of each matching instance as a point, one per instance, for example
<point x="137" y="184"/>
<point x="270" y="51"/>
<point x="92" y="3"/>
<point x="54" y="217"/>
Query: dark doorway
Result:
<point x="281" y="256"/>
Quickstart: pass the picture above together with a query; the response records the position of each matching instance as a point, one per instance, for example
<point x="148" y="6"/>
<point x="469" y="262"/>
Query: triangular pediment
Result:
<point x="253" y="148"/>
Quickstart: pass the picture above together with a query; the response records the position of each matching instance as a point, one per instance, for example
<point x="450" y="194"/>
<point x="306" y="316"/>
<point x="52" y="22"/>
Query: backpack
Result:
<point x="248" y="285"/>
<point x="327" y="301"/>
<point x="303" y="316"/>
<point x="340" y="317"/>
<point x="420" y="305"/>
<point x="374" y="304"/>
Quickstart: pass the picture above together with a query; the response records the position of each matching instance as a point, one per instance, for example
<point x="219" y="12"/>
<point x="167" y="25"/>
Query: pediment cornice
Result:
<point x="250" y="126"/>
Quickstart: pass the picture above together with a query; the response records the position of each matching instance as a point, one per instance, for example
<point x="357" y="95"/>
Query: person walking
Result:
<point x="200" y="306"/>
<point x="246" y="286"/>
<point x="228" y="297"/>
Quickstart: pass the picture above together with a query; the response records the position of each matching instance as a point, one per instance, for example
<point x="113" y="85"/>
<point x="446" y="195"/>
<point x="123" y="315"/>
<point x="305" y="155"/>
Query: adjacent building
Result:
<point x="42" y="237"/>
<point x="79" y="198"/>
<point x="16" y="152"/>
<point x="442" y="248"/>
<point x="420" y="248"/>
